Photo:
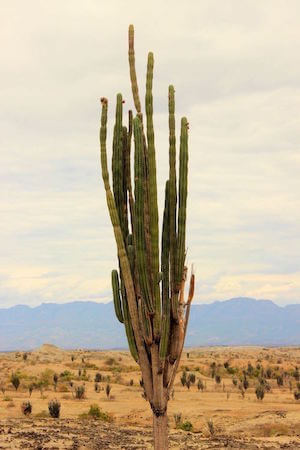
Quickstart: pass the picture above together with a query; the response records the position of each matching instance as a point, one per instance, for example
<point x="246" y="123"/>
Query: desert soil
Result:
<point x="222" y="415"/>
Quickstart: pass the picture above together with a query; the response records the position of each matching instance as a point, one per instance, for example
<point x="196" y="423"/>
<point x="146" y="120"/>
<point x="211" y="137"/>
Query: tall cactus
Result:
<point x="149" y="291"/>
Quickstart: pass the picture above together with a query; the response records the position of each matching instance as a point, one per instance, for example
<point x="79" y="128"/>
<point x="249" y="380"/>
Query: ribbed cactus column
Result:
<point x="149" y="287"/>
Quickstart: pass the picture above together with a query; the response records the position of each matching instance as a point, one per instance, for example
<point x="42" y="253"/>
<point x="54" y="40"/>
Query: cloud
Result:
<point x="236" y="76"/>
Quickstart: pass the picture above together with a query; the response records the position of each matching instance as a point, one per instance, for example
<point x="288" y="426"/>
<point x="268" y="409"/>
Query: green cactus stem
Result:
<point x="149" y="288"/>
<point x="116" y="295"/>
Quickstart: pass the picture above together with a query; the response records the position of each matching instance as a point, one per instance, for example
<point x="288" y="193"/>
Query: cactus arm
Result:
<point x="131" y="57"/>
<point x="117" y="165"/>
<point x="153" y="207"/>
<point x="165" y="249"/>
<point x="177" y="306"/>
<point x="124" y="262"/>
<point x="128" y="327"/>
<point x="128" y="170"/>
<point x="139" y="215"/>
<point x="189" y="301"/>
<point x="116" y="295"/>
<point x="183" y="170"/>
<point x="173" y="199"/>
<point x="124" y="161"/>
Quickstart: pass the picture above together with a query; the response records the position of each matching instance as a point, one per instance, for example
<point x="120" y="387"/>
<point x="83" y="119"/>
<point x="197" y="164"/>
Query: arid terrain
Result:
<point x="214" y="404"/>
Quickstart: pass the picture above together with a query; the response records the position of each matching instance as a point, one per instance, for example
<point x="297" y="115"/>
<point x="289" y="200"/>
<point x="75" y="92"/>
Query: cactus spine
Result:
<point x="148" y="291"/>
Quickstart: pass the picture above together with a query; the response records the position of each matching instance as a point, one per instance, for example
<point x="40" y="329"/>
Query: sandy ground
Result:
<point x="238" y="422"/>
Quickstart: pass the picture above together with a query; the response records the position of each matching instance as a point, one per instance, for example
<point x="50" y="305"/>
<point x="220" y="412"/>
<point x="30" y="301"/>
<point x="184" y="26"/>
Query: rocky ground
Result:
<point x="72" y="434"/>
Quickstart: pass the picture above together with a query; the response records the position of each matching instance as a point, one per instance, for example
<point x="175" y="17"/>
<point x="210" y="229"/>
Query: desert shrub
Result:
<point x="231" y="370"/>
<point x="296" y="374"/>
<point x="186" y="426"/>
<point x="234" y="381"/>
<point x="245" y="383"/>
<point x="107" y="390"/>
<point x="183" y="378"/>
<point x="79" y="392"/>
<point x="218" y="379"/>
<point x="98" y="377"/>
<point x="7" y="399"/>
<point x="55" y="380"/>
<point x="97" y="413"/>
<point x="192" y="378"/>
<point x="211" y="427"/>
<point x="15" y="380"/>
<point x="177" y="419"/>
<point x="242" y="390"/>
<point x="279" y="380"/>
<point x="2" y="387"/>
<point x="260" y="392"/>
<point x="297" y="395"/>
<point x="54" y="408"/>
<point x="213" y="369"/>
<point x="263" y="382"/>
<point x="269" y="373"/>
<point x="30" y="389"/>
<point x="26" y="408"/>
<point x="200" y="385"/>
<point x="250" y="369"/>
<point x="66" y="375"/>
<point x="46" y="377"/>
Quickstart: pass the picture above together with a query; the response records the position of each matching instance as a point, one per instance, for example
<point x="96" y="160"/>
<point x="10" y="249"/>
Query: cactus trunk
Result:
<point x="149" y="288"/>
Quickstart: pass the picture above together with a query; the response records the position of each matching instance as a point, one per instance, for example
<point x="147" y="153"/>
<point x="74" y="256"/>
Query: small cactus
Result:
<point x="54" y="408"/>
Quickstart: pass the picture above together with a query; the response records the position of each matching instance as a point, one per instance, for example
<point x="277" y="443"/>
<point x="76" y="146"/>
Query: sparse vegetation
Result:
<point x="79" y="392"/>
<point x="15" y="381"/>
<point x="260" y="392"/>
<point x="54" y="408"/>
<point x="26" y="408"/>
<point x="108" y="390"/>
<point x="211" y="427"/>
<point x="96" y="413"/>
<point x="280" y="402"/>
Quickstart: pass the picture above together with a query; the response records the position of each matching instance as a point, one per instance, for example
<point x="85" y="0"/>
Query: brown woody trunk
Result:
<point x="160" y="431"/>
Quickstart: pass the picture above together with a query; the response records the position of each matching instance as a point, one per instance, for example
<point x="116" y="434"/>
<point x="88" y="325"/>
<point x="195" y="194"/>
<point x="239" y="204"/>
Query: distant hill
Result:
<point x="239" y="321"/>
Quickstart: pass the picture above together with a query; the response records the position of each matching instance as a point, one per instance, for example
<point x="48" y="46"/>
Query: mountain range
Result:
<point x="84" y="324"/>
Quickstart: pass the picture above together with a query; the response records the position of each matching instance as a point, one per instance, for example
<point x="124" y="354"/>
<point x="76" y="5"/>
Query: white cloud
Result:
<point x="236" y="72"/>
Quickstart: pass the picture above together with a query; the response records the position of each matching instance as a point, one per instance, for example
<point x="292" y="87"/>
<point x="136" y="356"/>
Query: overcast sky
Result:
<point x="236" y="69"/>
